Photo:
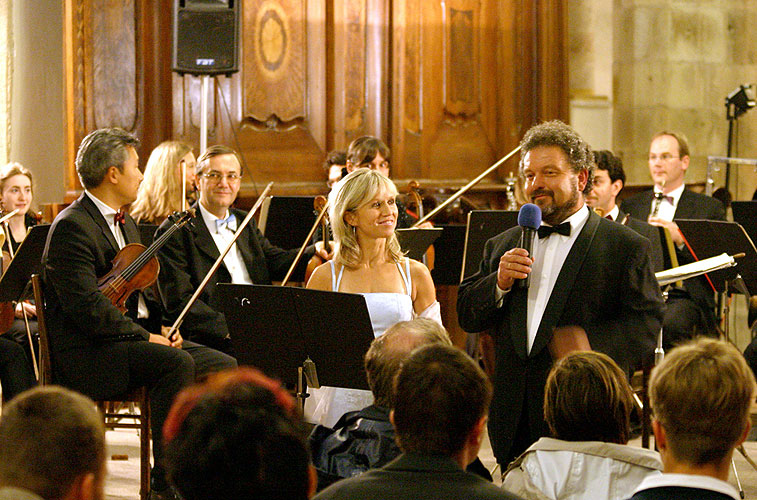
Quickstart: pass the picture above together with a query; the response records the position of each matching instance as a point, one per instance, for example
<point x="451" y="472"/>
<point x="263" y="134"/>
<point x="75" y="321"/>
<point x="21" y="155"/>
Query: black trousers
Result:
<point x="16" y="374"/>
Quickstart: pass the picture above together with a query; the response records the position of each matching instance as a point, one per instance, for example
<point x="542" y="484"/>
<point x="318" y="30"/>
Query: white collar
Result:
<point x="688" y="481"/>
<point x="577" y="220"/>
<point x="106" y="211"/>
<point x="210" y="219"/>
<point x="614" y="213"/>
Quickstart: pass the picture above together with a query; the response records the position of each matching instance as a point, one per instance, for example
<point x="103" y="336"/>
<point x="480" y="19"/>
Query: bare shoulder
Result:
<point x="321" y="277"/>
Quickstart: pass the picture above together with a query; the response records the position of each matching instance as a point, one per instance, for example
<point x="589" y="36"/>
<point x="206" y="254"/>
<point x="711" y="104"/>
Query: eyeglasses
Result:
<point x="663" y="157"/>
<point x="215" y="177"/>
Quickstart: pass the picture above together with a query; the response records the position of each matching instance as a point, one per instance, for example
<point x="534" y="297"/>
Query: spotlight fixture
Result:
<point x="740" y="101"/>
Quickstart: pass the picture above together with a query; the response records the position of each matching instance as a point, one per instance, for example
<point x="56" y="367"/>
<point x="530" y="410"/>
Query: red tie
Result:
<point x="609" y="217"/>
<point x="118" y="217"/>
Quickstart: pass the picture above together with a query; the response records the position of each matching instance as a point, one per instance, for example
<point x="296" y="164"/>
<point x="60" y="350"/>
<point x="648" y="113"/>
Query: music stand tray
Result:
<point x="286" y="220"/>
<point x="277" y="328"/>
<point x="709" y="238"/>
<point x="415" y="241"/>
<point x="26" y="261"/>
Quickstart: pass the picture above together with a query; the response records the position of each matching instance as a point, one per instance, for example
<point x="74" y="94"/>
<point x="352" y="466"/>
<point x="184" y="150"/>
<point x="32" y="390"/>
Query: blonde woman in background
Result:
<point x="160" y="193"/>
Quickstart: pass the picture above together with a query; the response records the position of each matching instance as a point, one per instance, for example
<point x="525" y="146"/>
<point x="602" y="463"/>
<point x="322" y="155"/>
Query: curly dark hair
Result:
<point x="556" y="133"/>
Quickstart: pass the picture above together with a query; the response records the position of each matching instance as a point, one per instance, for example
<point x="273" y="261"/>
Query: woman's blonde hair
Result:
<point x="159" y="194"/>
<point x="348" y="195"/>
<point x="11" y="170"/>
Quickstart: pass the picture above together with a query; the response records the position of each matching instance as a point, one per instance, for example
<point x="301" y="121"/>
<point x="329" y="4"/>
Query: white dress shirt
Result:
<point x="109" y="215"/>
<point x="222" y="236"/>
<point x="613" y="213"/>
<point x="549" y="255"/>
<point x="667" y="209"/>
<point x="689" y="481"/>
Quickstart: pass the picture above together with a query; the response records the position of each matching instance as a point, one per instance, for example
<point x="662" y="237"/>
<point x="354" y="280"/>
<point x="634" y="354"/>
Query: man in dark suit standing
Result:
<point x="608" y="181"/>
<point x="98" y="350"/>
<point x="190" y="253"/>
<point x="690" y="311"/>
<point x="588" y="275"/>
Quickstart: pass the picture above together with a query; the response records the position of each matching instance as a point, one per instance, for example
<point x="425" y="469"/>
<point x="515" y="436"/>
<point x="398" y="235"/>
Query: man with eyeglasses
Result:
<point x="190" y="252"/>
<point x="690" y="311"/>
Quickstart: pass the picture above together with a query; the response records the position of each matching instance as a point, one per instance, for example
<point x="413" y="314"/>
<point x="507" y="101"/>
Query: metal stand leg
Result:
<point x="738" y="481"/>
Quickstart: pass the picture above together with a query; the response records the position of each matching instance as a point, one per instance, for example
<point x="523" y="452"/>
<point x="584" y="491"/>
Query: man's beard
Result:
<point x="554" y="213"/>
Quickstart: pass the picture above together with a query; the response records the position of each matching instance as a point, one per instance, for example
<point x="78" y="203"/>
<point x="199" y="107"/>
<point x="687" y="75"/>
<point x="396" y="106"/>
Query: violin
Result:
<point x="320" y="204"/>
<point x="136" y="267"/>
<point x="7" y="311"/>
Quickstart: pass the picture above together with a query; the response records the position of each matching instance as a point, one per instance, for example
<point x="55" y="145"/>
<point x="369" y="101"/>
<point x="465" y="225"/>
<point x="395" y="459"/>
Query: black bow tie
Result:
<point x="563" y="229"/>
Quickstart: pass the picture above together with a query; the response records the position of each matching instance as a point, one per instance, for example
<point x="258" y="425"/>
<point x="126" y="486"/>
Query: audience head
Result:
<point x="16" y="188"/>
<point x="383" y="359"/>
<point x="219" y="177"/>
<point x="700" y="395"/>
<point x="587" y="398"/>
<point x="52" y="442"/>
<point x="441" y="401"/>
<point x="368" y="152"/>
<point x="160" y="193"/>
<point x="335" y="166"/>
<point x="102" y="150"/>
<point x="237" y="435"/>
<point x="346" y="199"/>
<point x="668" y="159"/>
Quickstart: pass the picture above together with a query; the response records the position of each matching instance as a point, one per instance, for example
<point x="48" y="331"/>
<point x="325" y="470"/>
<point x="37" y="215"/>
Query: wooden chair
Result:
<point x="113" y="420"/>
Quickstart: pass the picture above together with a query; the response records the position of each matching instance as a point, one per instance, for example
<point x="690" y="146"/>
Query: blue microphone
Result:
<point x="529" y="219"/>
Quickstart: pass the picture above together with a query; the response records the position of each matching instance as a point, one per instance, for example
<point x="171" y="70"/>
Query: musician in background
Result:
<point x="590" y="278"/>
<point x="609" y="179"/>
<point x="17" y="193"/>
<point x="691" y="310"/>
<point x="97" y="350"/>
<point x="335" y="166"/>
<point x="170" y="170"/>
<point x="190" y="253"/>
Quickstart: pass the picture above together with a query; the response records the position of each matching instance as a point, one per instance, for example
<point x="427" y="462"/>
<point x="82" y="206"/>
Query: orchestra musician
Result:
<point x="191" y="252"/>
<point x="691" y="310"/>
<point x="171" y="165"/>
<point x="98" y="350"/>
<point x="17" y="193"/>
<point x="590" y="277"/>
<point x="368" y="260"/>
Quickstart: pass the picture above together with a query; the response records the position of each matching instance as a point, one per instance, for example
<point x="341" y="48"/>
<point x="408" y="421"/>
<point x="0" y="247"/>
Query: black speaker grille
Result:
<point x="205" y="42"/>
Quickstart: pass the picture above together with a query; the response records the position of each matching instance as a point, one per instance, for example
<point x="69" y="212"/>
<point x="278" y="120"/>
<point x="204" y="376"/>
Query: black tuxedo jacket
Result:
<point x="691" y="206"/>
<point x="651" y="233"/>
<point x="86" y="331"/>
<point x="606" y="286"/>
<point x="188" y="256"/>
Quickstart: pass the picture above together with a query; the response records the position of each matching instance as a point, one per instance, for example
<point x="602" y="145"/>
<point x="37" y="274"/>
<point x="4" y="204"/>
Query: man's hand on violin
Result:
<point x="322" y="253"/>
<point x="175" y="340"/>
<point x="31" y="311"/>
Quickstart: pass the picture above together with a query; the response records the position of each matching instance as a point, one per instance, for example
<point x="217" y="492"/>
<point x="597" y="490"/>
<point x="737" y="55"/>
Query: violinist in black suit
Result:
<point x="588" y="275"/>
<point x="97" y="350"/>
<point x="691" y="311"/>
<point x="608" y="181"/>
<point x="190" y="253"/>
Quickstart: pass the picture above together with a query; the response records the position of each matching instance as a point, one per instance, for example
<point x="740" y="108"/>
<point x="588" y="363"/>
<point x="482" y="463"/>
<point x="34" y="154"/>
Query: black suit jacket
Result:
<point x="606" y="286"/>
<point x="86" y="331"/>
<point x="691" y="206"/>
<point x="417" y="477"/>
<point x="650" y="232"/>
<point x="188" y="256"/>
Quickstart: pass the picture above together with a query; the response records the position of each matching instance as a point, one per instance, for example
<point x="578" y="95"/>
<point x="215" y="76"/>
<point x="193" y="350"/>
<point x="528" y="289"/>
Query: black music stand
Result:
<point x="448" y="255"/>
<point x="415" y="241"/>
<point x="709" y="238"/>
<point x="285" y="221"/>
<point x="745" y="213"/>
<point x="277" y="328"/>
<point x="26" y="261"/>
<point x="482" y="226"/>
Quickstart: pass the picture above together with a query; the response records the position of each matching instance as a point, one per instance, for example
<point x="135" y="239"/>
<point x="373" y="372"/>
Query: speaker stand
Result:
<point x="204" y="113"/>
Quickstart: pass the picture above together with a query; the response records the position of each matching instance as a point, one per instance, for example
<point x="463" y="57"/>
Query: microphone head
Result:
<point x="529" y="216"/>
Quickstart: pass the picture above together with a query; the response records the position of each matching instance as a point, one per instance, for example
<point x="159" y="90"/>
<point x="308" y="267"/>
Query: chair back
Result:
<point x="45" y="363"/>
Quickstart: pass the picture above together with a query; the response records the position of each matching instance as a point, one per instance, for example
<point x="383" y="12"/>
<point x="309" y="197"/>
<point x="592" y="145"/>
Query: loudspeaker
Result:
<point x="205" y="37"/>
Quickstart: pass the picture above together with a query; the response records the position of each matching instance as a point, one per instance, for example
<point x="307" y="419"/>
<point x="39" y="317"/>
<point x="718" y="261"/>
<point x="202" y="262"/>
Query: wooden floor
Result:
<point x="122" y="482"/>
